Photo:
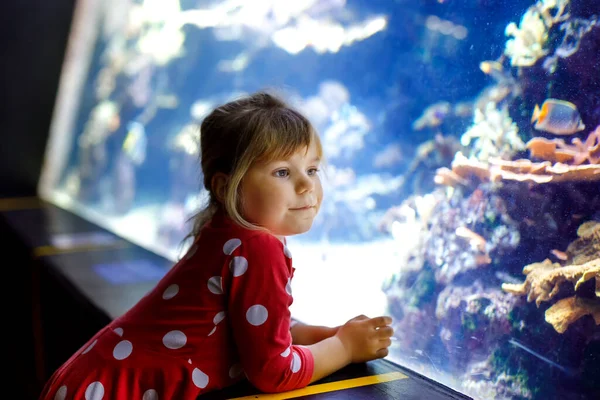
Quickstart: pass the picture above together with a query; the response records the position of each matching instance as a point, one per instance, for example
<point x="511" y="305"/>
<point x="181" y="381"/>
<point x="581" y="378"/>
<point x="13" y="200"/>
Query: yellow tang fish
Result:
<point x="558" y="117"/>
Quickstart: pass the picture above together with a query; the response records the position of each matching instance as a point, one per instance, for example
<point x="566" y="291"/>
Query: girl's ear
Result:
<point x="218" y="185"/>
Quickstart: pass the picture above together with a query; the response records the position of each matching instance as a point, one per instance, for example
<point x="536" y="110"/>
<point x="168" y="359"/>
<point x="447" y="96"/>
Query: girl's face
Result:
<point x="284" y="196"/>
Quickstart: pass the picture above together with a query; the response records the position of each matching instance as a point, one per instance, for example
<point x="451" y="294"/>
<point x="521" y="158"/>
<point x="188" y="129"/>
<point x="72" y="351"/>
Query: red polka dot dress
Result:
<point x="220" y="315"/>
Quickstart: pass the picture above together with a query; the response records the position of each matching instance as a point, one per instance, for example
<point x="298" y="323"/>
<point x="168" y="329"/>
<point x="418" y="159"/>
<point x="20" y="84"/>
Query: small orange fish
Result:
<point x="473" y="238"/>
<point x="490" y="66"/>
<point x="558" y="117"/>
<point x="561" y="255"/>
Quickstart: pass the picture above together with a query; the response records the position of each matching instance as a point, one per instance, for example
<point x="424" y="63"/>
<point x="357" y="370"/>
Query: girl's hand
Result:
<point x="366" y="338"/>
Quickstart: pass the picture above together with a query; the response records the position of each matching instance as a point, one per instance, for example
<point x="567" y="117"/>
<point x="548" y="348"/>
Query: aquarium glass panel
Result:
<point x="462" y="176"/>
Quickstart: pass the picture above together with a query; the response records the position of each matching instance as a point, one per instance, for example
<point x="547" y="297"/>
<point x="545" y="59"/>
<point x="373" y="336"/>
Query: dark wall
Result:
<point x="33" y="36"/>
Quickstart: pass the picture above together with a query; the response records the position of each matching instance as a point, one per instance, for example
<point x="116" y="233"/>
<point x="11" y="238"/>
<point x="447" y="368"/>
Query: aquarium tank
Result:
<point x="462" y="183"/>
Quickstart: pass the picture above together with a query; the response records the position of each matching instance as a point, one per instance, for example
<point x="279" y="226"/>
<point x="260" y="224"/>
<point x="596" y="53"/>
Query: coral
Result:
<point x="576" y="153"/>
<point x="566" y="311"/>
<point x="587" y="247"/>
<point x="473" y="318"/>
<point x="465" y="233"/>
<point x="483" y="381"/>
<point x="494" y="134"/>
<point x="521" y="170"/>
<point x="575" y="32"/>
<point x="530" y="37"/>
<point x="447" y="177"/>
<point x="544" y="279"/>
<point x="432" y="116"/>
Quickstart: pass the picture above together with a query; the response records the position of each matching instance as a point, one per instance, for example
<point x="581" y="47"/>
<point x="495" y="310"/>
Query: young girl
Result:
<point x="221" y="314"/>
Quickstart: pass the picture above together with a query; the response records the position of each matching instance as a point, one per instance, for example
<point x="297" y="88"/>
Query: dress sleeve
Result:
<point x="259" y="299"/>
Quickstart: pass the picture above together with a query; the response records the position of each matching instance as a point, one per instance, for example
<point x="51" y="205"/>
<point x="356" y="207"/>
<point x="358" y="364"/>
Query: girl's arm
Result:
<point x="329" y="356"/>
<point x="306" y="335"/>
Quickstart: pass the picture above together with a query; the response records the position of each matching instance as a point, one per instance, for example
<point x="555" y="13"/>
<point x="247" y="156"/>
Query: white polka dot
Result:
<point x="118" y="331"/>
<point x="189" y="361"/>
<point x="231" y="245"/>
<point x="199" y="378"/>
<point x="257" y="315"/>
<point x="174" y="340"/>
<point x="61" y="393"/>
<point x="215" y="285"/>
<point x="238" y="265"/>
<point x="287" y="252"/>
<point x="95" y="391"/>
<point x="213" y="331"/>
<point x="122" y="350"/>
<point x="191" y="251"/>
<point x="286" y="352"/>
<point x="171" y="291"/>
<point x="296" y="363"/>
<point x="288" y="287"/>
<point x="219" y="317"/>
<point x="90" y="347"/>
<point x="150" y="394"/>
<point x="235" y="370"/>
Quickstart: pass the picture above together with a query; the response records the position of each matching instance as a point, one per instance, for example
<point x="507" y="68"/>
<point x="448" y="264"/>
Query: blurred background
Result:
<point x="463" y="146"/>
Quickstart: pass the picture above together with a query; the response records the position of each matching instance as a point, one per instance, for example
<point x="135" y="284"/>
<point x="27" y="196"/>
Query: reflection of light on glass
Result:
<point x="187" y="140"/>
<point x="292" y="26"/>
<point x="155" y="11"/>
<point x="324" y="36"/>
<point x="445" y="27"/>
<point x="338" y="177"/>
<point x="239" y="63"/>
<point x="341" y="124"/>
<point x="200" y="109"/>
<point x="162" y="44"/>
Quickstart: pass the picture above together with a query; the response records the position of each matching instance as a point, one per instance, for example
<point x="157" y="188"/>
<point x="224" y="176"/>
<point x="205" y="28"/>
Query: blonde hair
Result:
<point x="257" y="128"/>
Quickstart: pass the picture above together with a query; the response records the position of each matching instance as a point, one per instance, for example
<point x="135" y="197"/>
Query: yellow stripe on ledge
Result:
<point x="44" y="251"/>
<point x="19" y="203"/>
<point x="330" y="387"/>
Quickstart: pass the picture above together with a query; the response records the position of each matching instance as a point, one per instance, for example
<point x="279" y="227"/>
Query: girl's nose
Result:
<point x="305" y="184"/>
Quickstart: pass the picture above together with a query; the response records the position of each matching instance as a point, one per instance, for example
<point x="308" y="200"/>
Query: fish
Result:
<point x="558" y="117"/>
<point x="136" y="143"/>
<point x="493" y="69"/>
<point x="473" y="238"/>
<point x="561" y="255"/>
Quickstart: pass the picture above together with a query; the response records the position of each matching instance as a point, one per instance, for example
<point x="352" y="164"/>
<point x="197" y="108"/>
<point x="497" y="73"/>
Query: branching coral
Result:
<point x="522" y="170"/>
<point x="494" y="132"/>
<point x="577" y="32"/>
<point x="529" y="38"/>
<point x="544" y="280"/>
<point x="576" y="153"/>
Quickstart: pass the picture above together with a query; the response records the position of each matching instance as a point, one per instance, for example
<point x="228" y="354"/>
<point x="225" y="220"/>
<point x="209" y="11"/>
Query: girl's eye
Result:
<point x="313" y="171"/>
<point x="282" y="173"/>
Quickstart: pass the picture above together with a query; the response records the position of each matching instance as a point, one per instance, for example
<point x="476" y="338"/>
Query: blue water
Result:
<point x="390" y="77"/>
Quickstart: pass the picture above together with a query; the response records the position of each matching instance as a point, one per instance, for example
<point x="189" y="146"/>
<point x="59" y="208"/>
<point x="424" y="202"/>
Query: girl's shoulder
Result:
<point x="223" y="226"/>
